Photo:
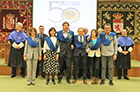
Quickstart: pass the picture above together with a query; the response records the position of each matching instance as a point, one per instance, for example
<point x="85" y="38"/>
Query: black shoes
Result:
<point x="59" y="81"/>
<point x="36" y="76"/>
<point x="33" y="83"/>
<point x="43" y="76"/>
<point x="88" y="77"/>
<point x="47" y="82"/>
<point x="102" y="82"/>
<point x="13" y="76"/>
<point x="119" y="78"/>
<point x="23" y="76"/>
<point x="68" y="81"/>
<point x="126" y="78"/>
<point x="111" y="83"/>
<point x="107" y="77"/>
<point x="28" y="84"/>
<point x="53" y="81"/>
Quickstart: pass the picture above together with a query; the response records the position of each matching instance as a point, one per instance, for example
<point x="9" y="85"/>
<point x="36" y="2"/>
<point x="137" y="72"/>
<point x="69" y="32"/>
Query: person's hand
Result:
<point x="72" y="47"/>
<point x="40" y="58"/>
<point x="122" y="52"/>
<point x="45" y="57"/>
<point x="57" y="57"/>
<point x="41" y="49"/>
<point x="88" y="38"/>
<point x="125" y="52"/>
<point x="114" y="57"/>
<point x="24" y="58"/>
<point x="17" y="47"/>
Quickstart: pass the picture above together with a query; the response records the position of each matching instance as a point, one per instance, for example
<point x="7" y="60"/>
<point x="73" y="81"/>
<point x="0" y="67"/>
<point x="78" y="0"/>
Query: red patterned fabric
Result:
<point x="12" y="12"/>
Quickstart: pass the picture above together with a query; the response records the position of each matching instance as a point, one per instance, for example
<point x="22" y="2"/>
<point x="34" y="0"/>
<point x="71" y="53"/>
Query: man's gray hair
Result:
<point x="19" y="23"/>
<point x="107" y="24"/>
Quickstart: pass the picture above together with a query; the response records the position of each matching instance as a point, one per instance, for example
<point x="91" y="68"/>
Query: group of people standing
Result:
<point x="98" y="50"/>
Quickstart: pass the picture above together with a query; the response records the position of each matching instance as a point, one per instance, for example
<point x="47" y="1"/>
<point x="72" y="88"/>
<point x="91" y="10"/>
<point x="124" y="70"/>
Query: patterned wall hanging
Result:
<point x="13" y="11"/>
<point x="121" y="15"/>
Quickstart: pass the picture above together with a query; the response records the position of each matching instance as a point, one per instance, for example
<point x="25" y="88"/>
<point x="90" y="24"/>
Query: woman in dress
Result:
<point x="51" y="55"/>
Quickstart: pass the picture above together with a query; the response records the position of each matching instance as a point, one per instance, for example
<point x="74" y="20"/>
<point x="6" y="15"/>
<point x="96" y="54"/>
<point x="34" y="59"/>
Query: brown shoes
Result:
<point x="74" y="81"/>
<point x="94" y="81"/>
<point x="85" y="82"/>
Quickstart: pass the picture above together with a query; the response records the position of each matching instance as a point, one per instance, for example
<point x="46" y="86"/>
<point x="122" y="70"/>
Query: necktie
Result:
<point x="81" y="39"/>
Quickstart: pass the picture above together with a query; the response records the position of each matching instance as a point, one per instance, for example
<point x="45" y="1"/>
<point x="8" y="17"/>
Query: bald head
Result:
<point x="85" y="31"/>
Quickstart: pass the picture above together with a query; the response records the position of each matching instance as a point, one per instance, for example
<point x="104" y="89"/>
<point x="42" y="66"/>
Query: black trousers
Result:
<point x="100" y="68"/>
<point x="120" y="72"/>
<point x="95" y="63"/>
<point x="14" y="71"/>
<point x="88" y="63"/>
<point x="88" y="66"/>
<point x="79" y="60"/>
<point x="65" y="59"/>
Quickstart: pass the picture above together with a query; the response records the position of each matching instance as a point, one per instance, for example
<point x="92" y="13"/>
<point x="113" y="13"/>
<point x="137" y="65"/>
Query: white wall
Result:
<point x="52" y="13"/>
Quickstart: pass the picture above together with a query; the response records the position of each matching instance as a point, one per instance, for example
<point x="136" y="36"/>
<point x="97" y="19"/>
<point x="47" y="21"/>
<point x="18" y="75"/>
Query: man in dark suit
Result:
<point x="65" y="37"/>
<point x="42" y="37"/>
<point x="80" y="55"/>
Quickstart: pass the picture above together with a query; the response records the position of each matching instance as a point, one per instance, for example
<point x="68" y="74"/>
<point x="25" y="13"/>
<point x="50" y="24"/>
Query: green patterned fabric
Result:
<point x="130" y="12"/>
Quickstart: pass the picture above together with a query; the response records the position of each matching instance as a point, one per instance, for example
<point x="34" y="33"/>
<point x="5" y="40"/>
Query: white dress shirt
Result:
<point x="65" y="34"/>
<point x="79" y="38"/>
<point x="46" y="47"/>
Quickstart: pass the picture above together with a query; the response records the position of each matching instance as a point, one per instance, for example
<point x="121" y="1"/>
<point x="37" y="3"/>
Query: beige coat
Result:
<point x="91" y="53"/>
<point x="32" y="52"/>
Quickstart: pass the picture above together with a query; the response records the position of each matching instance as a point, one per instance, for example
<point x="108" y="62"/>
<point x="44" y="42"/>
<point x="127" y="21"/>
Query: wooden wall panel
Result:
<point x="122" y="0"/>
<point x="135" y="54"/>
<point x="133" y="72"/>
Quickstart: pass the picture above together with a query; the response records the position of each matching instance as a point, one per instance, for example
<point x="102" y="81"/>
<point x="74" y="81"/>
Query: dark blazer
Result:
<point x="65" y="47"/>
<point x="42" y="39"/>
<point x="78" y="51"/>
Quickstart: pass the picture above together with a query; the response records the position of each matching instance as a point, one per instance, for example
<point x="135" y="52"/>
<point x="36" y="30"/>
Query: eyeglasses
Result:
<point x="107" y="27"/>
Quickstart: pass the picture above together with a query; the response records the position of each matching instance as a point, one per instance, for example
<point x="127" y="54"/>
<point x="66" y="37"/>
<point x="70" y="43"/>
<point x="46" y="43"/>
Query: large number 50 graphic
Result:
<point x="69" y="14"/>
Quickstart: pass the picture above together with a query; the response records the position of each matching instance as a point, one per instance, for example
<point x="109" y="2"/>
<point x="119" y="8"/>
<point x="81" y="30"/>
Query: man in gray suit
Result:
<point x="109" y="52"/>
<point x="42" y="36"/>
<point x="65" y="37"/>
